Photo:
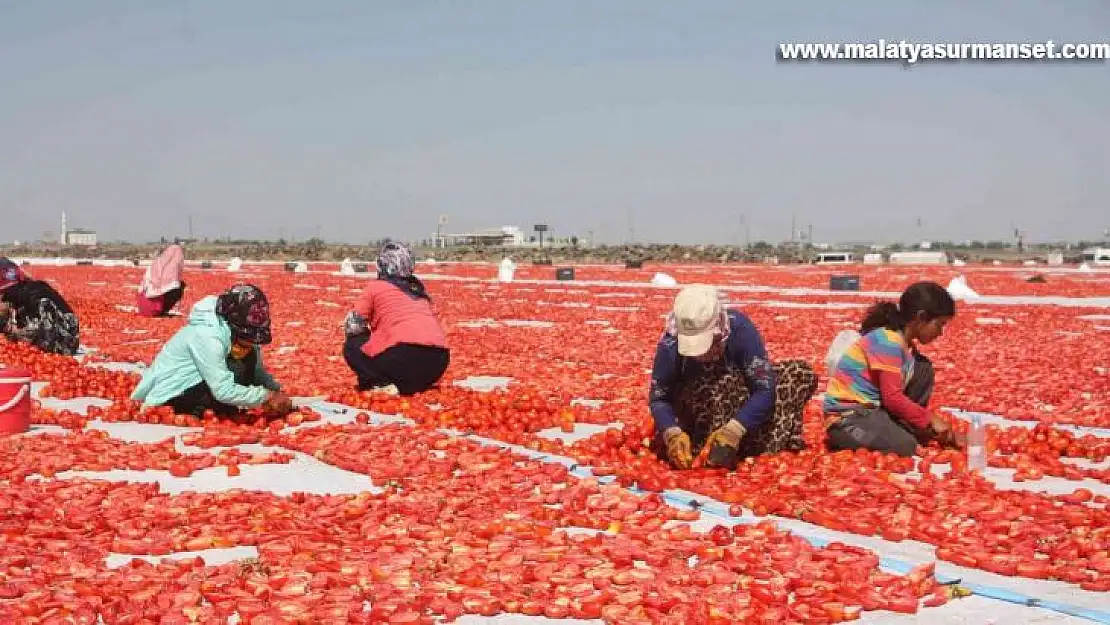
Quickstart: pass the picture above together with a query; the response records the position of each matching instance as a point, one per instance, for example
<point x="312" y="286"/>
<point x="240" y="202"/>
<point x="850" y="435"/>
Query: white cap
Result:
<point x="697" y="314"/>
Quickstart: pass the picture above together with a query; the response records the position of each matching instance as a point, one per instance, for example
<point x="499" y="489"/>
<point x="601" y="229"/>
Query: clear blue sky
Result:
<point x="368" y="118"/>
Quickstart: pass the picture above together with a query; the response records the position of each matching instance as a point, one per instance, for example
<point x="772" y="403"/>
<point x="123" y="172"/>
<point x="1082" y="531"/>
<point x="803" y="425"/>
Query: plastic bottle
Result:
<point x="976" y="444"/>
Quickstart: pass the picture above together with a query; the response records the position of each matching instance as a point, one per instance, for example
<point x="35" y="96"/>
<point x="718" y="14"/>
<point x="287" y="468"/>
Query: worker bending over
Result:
<point x="879" y="388"/>
<point x="162" y="288"/>
<point x="713" y="385"/>
<point x="215" y="361"/>
<point x="394" y="340"/>
<point x="33" y="311"/>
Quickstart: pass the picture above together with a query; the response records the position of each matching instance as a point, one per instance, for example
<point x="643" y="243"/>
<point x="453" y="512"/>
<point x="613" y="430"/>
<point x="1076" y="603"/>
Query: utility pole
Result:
<point x="190" y="226"/>
<point x="793" y="227"/>
<point x="631" y="230"/>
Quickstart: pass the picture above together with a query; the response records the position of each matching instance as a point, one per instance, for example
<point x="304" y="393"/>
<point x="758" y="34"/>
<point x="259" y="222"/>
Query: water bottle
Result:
<point x="976" y="444"/>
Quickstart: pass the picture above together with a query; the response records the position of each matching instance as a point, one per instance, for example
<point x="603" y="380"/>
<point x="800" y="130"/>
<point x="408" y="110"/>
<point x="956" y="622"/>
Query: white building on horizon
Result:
<point x="505" y="236"/>
<point x="76" y="236"/>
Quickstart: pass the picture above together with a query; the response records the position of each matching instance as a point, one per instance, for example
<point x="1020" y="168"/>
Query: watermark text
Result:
<point x="911" y="52"/>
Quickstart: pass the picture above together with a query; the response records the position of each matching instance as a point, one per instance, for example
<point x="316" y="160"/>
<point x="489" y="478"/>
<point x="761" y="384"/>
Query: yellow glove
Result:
<point x="678" y="447"/>
<point x="724" y="444"/>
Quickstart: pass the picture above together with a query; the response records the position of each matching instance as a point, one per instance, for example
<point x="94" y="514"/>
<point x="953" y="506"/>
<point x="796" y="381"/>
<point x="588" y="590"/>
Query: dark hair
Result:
<point x="929" y="298"/>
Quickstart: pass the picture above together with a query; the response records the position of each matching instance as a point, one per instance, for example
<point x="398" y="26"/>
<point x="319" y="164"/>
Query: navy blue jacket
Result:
<point x="744" y="351"/>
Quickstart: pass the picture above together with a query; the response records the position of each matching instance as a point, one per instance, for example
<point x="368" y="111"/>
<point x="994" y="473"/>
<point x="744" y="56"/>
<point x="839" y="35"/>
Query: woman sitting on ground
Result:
<point x="162" y="287"/>
<point x="393" y="336"/>
<point x="32" y="311"/>
<point x="713" y="384"/>
<point x="879" y="390"/>
<point x="215" y="361"/>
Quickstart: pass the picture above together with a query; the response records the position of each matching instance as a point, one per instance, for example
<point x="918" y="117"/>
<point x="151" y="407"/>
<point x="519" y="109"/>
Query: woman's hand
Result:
<point x="943" y="433"/>
<point x="354" y="324"/>
<point x="724" y="444"/>
<point x="278" y="403"/>
<point x="678" y="448"/>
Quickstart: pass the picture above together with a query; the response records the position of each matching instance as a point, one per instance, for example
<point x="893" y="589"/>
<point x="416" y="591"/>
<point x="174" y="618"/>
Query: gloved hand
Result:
<point x="724" y="444"/>
<point x="678" y="447"/>
<point x="942" y="431"/>
<point x="354" y="324"/>
<point x="278" y="403"/>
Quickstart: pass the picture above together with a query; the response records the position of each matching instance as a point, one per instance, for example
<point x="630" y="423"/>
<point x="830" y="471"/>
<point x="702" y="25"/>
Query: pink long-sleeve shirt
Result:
<point x="395" y="317"/>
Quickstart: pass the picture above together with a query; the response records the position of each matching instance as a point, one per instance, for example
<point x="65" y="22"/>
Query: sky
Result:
<point x="653" y="120"/>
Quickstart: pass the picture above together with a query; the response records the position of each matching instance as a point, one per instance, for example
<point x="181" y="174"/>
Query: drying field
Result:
<point x="523" y="487"/>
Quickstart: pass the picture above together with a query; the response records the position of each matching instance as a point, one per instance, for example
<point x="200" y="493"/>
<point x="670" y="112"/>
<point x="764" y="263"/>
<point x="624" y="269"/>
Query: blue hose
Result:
<point x="717" y="509"/>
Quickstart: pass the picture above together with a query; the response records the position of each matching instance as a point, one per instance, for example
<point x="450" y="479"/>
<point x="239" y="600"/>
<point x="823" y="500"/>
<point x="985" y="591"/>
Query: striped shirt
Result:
<point x="855" y="383"/>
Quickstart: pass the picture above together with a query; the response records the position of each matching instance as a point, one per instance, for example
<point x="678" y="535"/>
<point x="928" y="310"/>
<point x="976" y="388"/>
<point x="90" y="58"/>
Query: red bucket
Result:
<point x="15" y="400"/>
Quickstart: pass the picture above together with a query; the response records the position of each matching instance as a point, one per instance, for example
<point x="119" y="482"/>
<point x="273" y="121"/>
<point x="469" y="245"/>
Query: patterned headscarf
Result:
<point x="395" y="265"/>
<point x="395" y="261"/>
<point x="10" y="273"/>
<point x="247" y="312"/>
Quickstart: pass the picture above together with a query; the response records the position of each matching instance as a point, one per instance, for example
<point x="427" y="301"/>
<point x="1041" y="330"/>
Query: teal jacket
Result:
<point x="198" y="352"/>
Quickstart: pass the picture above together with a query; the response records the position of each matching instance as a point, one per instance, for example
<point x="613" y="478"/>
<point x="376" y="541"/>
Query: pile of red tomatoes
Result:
<point x="460" y="528"/>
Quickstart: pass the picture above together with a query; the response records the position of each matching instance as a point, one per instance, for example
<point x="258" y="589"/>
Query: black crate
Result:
<point x="290" y="266"/>
<point x="633" y="264"/>
<point x="84" y="263"/>
<point x="361" y="268"/>
<point x="564" y="273"/>
<point x="206" y="264"/>
<point x="844" y="283"/>
<point x="542" y="261"/>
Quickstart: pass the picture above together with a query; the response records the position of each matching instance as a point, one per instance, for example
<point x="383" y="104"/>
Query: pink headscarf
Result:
<point x="164" y="274"/>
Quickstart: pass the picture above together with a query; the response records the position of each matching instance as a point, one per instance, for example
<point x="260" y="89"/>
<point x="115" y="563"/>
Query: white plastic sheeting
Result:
<point x="959" y="289"/>
<point x="664" y="280"/>
<point x="506" y="270"/>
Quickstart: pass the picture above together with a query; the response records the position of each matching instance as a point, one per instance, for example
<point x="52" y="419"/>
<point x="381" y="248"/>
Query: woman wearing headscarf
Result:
<point x="215" y="361"/>
<point x="162" y="287"/>
<point x="32" y="311"/>
<point x="713" y="385"/>
<point x="393" y="336"/>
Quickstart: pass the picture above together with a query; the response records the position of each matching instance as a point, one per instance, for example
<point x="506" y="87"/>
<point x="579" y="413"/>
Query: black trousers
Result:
<point x="198" y="399"/>
<point x="411" y="368"/>
<point x="877" y="429"/>
<point x="171" y="298"/>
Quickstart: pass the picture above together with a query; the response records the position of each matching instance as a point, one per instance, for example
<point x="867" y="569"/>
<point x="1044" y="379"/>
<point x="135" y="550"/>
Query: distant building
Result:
<point x="505" y="236"/>
<point x="82" y="237"/>
<point x="77" y="236"/>
<point x="1097" y="256"/>
<point x="919" y="258"/>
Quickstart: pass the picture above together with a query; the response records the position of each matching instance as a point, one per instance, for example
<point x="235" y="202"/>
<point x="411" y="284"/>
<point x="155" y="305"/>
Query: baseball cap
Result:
<point x="697" y="313"/>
